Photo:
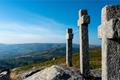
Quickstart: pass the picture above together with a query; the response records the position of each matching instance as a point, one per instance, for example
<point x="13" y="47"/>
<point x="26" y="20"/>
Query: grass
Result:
<point x="95" y="62"/>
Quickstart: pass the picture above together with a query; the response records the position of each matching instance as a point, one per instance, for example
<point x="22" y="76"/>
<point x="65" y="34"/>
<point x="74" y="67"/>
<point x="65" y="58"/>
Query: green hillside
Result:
<point x="26" y="54"/>
<point x="95" y="62"/>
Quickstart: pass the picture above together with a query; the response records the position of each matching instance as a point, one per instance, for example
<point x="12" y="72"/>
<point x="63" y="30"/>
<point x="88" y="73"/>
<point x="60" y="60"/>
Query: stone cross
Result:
<point x="69" y="37"/>
<point x="109" y="31"/>
<point x="83" y="22"/>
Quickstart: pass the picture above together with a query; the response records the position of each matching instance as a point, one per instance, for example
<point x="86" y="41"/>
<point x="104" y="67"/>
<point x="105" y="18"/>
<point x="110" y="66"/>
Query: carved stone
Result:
<point x="69" y="37"/>
<point x="109" y="31"/>
<point x="83" y="22"/>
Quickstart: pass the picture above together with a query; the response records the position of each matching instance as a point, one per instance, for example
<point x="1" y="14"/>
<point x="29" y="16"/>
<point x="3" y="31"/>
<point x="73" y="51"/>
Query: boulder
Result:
<point x="56" y="72"/>
<point x="4" y="75"/>
<point x="59" y="72"/>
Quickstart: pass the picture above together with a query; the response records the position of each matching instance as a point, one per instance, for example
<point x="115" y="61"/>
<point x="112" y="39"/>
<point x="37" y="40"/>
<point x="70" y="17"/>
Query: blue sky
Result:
<point x="46" y="21"/>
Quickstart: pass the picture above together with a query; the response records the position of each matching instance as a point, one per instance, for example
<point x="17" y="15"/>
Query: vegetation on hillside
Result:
<point x="95" y="62"/>
<point x="35" y="57"/>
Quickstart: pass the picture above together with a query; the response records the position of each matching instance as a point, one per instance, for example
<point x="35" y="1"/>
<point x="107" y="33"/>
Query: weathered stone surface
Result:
<point x="56" y="72"/>
<point x="4" y="75"/>
<point x="69" y="34"/>
<point x="96" y="73"/>
<point x="100" y="31"/>
<point x="83" y="22"/>
<point x="113" y="59"/>
<point x="59" y="72"/>
<point x="83" y="12"/>
<point x="85" y="19"/>
<point x="26" y="74"/>
<point x="69" y="37"/>
<point x="110" y="12"/>
<point x="109" y="31"/>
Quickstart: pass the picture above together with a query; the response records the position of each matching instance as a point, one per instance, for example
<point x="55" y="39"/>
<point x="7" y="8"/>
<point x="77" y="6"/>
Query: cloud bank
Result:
<point x="44" y="31"/>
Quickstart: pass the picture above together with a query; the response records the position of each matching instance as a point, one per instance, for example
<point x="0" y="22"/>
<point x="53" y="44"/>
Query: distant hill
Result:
<point x="15" y="55"/>
<point x="11" y="50"/>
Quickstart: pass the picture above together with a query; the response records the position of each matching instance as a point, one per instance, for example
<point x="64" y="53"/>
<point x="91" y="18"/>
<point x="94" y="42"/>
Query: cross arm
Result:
<point x="110" y="29"/>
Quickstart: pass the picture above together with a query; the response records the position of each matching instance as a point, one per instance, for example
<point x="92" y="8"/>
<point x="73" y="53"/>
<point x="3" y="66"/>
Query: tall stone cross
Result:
<point x="109" y="31"/>
<point x="83" y="22"/>
<point x="69" y="37"/>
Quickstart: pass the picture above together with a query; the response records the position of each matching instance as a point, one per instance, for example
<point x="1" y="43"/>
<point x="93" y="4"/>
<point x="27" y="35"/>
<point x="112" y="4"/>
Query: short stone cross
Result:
<point x="69" y="37"/>
<point x="109" y="31"/>
<point x="83" y="22"/>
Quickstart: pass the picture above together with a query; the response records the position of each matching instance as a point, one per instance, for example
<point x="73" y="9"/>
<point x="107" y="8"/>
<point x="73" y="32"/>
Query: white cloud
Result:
<point x="29" y="27"/>
<point x="28" y="38"/>
<point x="47" y="31"/>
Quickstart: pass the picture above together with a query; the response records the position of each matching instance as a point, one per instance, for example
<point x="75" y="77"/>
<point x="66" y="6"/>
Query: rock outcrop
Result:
<point x="4" y="75"/>
<point x="57" y="72"/>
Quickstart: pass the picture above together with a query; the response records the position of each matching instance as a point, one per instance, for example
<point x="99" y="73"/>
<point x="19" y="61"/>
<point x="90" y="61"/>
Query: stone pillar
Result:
<point x="83" y="22"/>
<point x="109" y="31"/>
<point x="69" y="37"/>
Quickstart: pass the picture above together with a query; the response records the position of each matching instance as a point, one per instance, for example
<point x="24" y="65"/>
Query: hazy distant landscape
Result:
<point x="15" y="55"/>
